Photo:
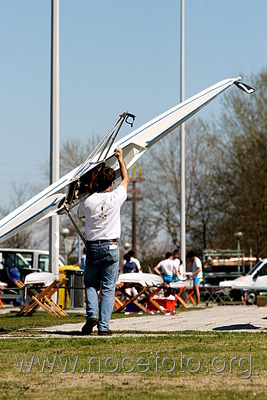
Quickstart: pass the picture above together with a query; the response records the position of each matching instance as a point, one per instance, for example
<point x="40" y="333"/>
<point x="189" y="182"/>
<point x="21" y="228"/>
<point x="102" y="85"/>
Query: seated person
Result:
<point x="167" y="269"/>
<point x="12" y="272"/>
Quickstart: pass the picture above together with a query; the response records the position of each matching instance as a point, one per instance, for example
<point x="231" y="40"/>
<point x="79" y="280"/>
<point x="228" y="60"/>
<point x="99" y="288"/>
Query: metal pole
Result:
<point x="238" y="248"/>
<point x="134" y="219"/>
<point x="54" y="134"/>
<point x="79" y="248"/>
<point x="182" y="144"/>
<point x="65" y="233"/>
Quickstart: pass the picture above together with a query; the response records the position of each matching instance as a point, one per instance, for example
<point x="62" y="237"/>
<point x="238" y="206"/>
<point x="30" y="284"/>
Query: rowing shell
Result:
<point x="68" y="191"/>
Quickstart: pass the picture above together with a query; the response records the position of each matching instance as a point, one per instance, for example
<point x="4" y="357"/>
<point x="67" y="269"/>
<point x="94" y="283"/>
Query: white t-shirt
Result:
<point x="167" y="267"/>
<point x="197" y="264"/>
<point x="102" y="214"/>
<point x="136" y="262"/>
<point x="180" y="268"/>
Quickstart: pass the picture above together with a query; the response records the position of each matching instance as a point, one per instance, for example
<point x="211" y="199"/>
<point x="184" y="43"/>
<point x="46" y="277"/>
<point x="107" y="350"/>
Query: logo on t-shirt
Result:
<point x="101" y="211"/>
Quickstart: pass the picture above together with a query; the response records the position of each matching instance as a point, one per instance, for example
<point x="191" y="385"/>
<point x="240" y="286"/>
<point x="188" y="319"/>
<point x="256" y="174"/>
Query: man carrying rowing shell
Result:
<point x="101" y="211"/>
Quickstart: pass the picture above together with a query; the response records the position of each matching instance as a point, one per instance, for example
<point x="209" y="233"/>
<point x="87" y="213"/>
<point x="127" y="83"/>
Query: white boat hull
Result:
<point x="51" y="200"/>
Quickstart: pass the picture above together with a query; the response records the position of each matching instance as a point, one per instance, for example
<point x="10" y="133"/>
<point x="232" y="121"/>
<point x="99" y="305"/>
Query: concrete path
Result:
<point x="217" y="318"/>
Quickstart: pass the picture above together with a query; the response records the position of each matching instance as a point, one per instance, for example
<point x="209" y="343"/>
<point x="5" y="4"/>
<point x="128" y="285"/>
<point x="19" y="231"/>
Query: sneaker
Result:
<point x="104" y="333"/>
<point x="88" y="326"/>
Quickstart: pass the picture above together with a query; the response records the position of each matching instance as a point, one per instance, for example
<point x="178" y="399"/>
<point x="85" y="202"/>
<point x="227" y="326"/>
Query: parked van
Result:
<point x="26" y="260"/>
<point x="255" y="274"/>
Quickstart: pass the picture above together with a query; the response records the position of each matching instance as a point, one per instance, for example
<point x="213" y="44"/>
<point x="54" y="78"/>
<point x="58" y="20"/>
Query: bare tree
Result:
<point x="74" y="152"/>
<point x="242" y="176"/>
<point x="163" y="188"/>
<point x="26" y="238"/>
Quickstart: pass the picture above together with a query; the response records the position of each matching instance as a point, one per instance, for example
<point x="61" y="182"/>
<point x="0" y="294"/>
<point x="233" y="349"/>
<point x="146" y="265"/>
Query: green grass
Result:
<point x="151" y="358"/>
<point x="9" y="323"/>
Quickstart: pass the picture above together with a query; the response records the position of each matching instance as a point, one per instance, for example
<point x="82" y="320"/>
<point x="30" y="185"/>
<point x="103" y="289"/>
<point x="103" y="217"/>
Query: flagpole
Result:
<point x="182" y="145"/>
<point x="54" y="134"/>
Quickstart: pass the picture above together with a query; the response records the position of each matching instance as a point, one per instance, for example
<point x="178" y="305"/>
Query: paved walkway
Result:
<point x="217" y="318"/>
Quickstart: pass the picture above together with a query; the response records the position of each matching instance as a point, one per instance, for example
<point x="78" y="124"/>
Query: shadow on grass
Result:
<point x="92" y="335"/>
<point x="65" y="333"/>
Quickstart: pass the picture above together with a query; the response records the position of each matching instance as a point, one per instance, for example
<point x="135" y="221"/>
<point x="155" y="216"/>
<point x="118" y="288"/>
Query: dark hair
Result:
<point x="131" y="253"/>
<point x="105" y="178"/>
<point x="191" y="254"/>
<point x="126" y="257"/>
<point x="168" y="254"/>
<point x="176" y="251"/>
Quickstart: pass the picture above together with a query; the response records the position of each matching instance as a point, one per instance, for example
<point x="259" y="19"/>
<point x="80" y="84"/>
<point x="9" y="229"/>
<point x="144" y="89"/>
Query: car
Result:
<point x="25" y="260"/>
<point x="256" y="278"/>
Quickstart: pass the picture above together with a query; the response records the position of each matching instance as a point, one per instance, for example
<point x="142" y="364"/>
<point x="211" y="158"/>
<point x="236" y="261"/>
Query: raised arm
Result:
<point x="124" y="173"/>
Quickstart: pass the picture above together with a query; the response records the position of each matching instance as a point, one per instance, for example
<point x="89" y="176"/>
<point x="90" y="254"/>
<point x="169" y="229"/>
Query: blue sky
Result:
<point x="115" y="55"/>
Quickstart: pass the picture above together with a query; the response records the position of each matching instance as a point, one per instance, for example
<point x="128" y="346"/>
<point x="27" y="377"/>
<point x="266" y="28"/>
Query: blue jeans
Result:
<point x="101" y="273"/>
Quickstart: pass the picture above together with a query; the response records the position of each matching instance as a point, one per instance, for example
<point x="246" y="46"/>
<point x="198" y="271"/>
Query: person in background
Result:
<point x="167" y="269"/>
<point x="196" y="273"/>
<point x="82" y="262"/>
<point x="244" y="292"/>
<point x="179" y="265"/>
<point x="129" y="266"/>
<point x="135" y="260"/>
<point x="13" y="274"/>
